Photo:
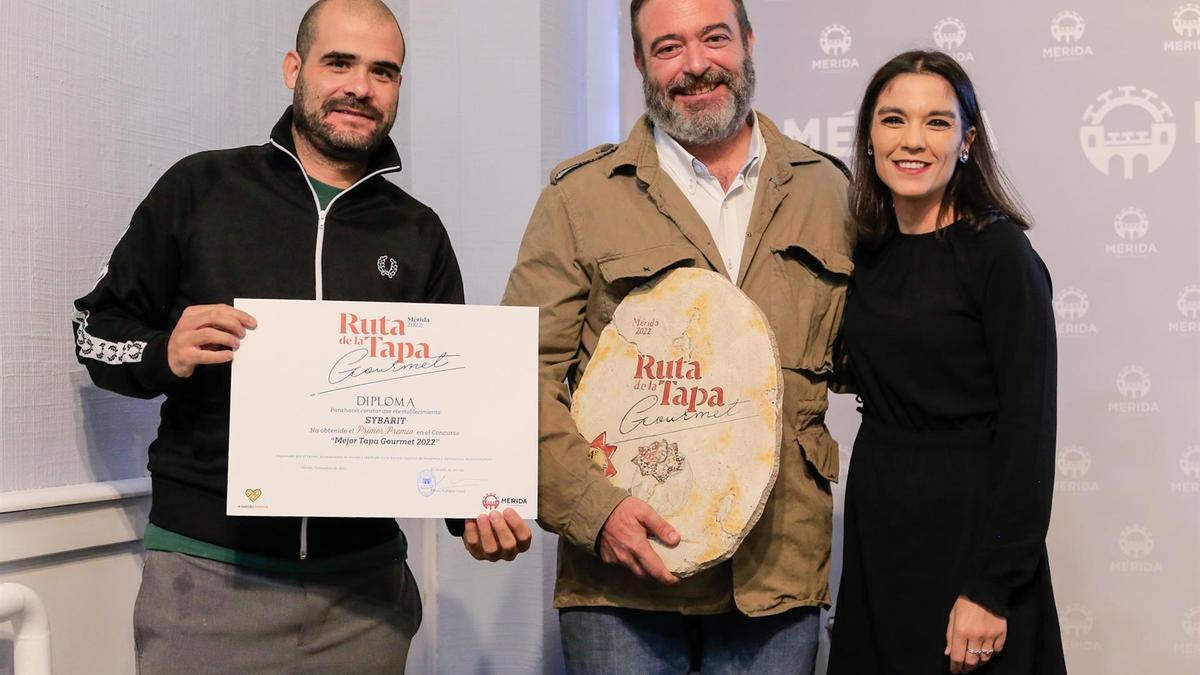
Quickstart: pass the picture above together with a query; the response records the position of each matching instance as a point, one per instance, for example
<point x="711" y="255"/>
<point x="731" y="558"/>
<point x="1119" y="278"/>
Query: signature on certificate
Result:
<point x="355" y="368"/>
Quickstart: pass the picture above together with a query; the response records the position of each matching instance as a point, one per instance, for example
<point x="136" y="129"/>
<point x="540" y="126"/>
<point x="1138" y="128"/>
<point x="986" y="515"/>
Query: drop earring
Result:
<point x="964" y="156"/>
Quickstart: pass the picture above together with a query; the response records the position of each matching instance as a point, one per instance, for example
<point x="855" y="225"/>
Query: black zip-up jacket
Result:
<point x="245" y="223"/>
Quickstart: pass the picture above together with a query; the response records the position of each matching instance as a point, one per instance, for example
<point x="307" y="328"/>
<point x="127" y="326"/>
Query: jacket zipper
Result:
<point x="319" y="293"/>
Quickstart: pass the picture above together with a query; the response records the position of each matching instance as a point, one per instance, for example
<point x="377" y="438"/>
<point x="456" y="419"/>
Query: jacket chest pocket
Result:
<point x="811" y="295"/>
<point x="620" y="274"/>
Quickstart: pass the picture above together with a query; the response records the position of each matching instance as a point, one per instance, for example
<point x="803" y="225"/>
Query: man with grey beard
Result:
<point x="702" y="180"/>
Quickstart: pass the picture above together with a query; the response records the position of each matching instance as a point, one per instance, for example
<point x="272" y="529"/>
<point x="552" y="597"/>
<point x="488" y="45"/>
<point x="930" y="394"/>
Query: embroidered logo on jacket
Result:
<point x="387" y="266"/>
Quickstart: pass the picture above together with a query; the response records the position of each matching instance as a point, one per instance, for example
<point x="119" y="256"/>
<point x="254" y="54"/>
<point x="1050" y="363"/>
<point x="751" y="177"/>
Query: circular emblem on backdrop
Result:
<point x="1076" y="620"/>
<point x="1188" y="302"/>
<point x="1191" y="623"/>
<point x="1146" y="146"/>
<point x="680" y="404"/>
<point x="835" y="39"/>
<point x="1186" y="20"/>
<point x="1131" y="223"/>
<point x="1133" y="382"/>
<point x="1136" y="542"/>
<point x="1190" y="462"/>
<point x="1074" y="462"/>
<point x="949" y="34"/>
<point x="1070" y="304"/>
<point x="1067" y="27"/>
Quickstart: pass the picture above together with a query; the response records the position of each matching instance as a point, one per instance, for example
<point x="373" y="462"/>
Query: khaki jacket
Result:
<point x="611" y="219"/>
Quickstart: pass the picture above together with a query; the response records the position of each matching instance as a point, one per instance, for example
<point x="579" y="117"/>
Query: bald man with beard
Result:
<point x="308" y="215"/>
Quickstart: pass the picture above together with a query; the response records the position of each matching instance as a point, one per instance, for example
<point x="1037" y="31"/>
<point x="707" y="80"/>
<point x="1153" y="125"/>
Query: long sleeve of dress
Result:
<point x="1014" y="289"/>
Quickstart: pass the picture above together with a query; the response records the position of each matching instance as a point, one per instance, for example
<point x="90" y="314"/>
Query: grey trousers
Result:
<point x="195" y="615"/>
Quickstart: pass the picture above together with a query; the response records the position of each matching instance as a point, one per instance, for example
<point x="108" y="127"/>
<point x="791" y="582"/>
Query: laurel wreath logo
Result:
<point x="387" y="266"/>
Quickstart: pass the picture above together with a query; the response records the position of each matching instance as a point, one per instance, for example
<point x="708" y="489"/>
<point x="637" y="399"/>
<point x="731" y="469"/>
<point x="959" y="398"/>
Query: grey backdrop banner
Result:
<point x="1095" y="107"/>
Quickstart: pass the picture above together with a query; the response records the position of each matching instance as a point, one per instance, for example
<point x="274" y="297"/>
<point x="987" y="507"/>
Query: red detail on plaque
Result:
<point x="600" y="444"/>
<point x="491" y="502"/>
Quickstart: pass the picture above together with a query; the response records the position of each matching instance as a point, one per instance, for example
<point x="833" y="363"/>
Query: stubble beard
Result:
<point x="309" y="119"/>
<point x="702" y="125"/>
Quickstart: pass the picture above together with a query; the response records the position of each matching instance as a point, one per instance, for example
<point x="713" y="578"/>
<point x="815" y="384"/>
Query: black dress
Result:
<point x="951" y="341"/>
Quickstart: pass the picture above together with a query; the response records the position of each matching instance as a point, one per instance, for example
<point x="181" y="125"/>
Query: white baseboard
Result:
<point x="52" y="521"/>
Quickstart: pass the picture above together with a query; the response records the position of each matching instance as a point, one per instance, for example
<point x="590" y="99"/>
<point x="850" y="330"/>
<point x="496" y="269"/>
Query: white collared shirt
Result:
<point x="727" y="214"/>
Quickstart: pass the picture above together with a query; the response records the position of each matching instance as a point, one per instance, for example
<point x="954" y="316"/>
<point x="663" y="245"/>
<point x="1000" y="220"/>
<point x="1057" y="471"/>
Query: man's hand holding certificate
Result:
<point x="384" y="409"/>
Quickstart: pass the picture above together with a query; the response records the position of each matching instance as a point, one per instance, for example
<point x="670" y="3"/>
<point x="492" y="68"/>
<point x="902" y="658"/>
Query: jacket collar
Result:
<point x="783" y="153"/>
<point x="639" y="153"/>
<point x="386" y="158"/>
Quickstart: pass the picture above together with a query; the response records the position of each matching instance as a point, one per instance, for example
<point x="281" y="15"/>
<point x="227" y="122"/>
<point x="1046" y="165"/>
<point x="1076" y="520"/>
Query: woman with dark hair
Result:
<point x="950" y="338"/>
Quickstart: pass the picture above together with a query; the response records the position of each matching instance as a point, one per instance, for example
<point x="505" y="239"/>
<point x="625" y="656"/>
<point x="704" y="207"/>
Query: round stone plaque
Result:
<point x="680" y="404"/>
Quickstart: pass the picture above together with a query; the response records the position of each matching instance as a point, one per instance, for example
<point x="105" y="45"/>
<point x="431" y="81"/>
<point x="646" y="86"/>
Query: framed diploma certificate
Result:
<point x="383" y="409"/>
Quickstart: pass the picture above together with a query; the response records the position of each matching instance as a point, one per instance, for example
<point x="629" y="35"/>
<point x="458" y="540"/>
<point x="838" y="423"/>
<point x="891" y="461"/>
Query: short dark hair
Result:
<point x="978" y="191"/>
<point x="306" y="34"/>
<point x="635" y="8"/>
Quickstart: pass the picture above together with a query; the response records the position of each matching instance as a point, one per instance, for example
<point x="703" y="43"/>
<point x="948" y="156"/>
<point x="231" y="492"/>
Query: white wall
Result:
<point x="104" y="96"/>
<point x="500" y="95"/>
<point x="475" y="85"/>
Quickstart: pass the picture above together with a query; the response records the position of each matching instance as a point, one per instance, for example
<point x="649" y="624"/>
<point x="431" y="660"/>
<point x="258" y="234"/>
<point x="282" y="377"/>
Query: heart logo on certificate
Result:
<point x="253" y="494"/>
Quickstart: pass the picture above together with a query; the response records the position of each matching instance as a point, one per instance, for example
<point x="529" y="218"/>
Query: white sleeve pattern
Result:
<point x="112" y="353"/>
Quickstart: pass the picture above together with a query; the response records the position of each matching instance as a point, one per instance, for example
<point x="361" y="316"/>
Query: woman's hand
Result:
<point x="973" y="635"/>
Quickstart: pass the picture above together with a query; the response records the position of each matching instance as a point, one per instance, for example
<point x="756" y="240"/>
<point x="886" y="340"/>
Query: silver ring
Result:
<point x="976" y="652"/>
<point x="987" y="652"/>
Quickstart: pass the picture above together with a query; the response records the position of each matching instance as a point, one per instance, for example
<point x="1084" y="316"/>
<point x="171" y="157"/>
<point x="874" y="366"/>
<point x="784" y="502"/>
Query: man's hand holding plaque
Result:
<point x="623" y="540"/>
